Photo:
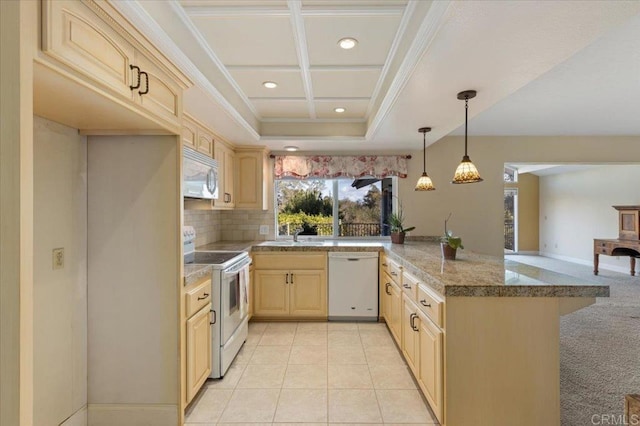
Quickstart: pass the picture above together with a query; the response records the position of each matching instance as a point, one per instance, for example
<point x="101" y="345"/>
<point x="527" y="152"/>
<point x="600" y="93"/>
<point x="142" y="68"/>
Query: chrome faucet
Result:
<point x="295" y="235"/>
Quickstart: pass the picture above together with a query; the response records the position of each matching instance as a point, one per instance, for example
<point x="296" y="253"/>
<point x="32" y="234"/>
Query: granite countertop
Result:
<point x="319" y="245"/>
<point x="471" y="274"/>
<point x="193" y="273"/>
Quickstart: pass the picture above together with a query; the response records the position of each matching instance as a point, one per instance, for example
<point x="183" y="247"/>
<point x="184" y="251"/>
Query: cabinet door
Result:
<point x="430" y="377"/>
<point x="271" y="297"/>
<point x="163" y="97"/>
<point x="410" y="337"/>
<point x="229" y="165"/>
<point x="76" y="36"/>
<point x="308" y="293"/>
<point x="395" y="312"/>
<point x="189" y="134"/>
<point x="205" y="142"/>
<point x="198" y="351"/>
<point x="249" y="183"/>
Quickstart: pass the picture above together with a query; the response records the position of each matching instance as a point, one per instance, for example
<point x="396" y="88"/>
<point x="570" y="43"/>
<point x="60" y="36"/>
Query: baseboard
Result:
<point x="526" y="253"/>
<point x="132" y="414"/>
<point x="605" y="266"/>
<point x="79" y="418"/>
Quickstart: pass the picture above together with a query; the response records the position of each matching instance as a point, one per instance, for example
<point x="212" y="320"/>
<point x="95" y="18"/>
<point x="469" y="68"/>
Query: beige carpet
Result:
<point x="599" y="345"/>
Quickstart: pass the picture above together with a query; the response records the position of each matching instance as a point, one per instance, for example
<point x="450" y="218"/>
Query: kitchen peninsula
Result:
<point x="486" y="345"/>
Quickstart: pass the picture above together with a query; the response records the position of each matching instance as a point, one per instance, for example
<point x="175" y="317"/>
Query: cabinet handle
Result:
<point x="386" y="288"/>
<point x="292" y="278"/>
<point x="394" y="274"/>
<point x="204" y="296"/>
<point x="133" y="67"/>
<point x="286" y="281"/>
<point x="146" y="83"/>
<point x="215" y="317"/>
<point x="406" y="286"/>
<point x="423" y="302"/>
<point x="411" y="319"/>
<point x="384" y="264"/>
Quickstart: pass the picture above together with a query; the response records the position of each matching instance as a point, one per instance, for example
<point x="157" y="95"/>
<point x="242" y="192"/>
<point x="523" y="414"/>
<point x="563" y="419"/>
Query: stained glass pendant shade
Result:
<point x="424" y="183"/>
<point x="466" y="171"/>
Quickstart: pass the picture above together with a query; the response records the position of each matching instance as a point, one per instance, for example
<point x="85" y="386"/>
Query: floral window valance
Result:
<point x="329" y="167"/>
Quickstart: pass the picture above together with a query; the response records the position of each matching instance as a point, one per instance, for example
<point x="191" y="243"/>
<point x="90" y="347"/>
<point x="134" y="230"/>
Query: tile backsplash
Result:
<point x="244" y="225"/>
<point x="233" y="225"/>
<point x="206" y="223"/>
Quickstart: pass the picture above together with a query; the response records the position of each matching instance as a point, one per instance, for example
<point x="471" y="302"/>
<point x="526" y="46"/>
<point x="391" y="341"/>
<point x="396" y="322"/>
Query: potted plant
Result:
<point x="449" y="244"/>
<point x="396" y="225"/>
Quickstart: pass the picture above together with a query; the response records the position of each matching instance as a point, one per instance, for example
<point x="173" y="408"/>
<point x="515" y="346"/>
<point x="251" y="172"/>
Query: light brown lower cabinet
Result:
<point x="198" y="350"/>
<point x="410" y="334"/>
<point x="395" y="312"/>
<point x="430" y="354"/>
<point x="290" y="293"/>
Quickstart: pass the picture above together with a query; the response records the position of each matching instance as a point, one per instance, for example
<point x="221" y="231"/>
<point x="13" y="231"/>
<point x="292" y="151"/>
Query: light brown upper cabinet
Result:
<point x="96" y="72"/>
<point x="196" y="136"/>
<point x="252" y="178"/>
<point x="225" y="156"/>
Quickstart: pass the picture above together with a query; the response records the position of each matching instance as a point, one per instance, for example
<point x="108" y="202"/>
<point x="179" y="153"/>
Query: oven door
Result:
<point x="235" y="296"/>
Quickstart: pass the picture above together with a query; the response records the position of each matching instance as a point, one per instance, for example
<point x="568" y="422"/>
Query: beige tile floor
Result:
<point x="318" y="373"/>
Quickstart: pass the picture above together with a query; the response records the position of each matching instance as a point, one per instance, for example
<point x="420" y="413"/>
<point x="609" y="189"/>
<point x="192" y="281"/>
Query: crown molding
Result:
<point x="352" y="11"/>
<point x="315" y="120"/>
<point x="402" y="28"/>
<point x="424" y="37"/>
<point x="226" y="11"/>
<point x="148" y="26"/>
<point x="300" y="38"/>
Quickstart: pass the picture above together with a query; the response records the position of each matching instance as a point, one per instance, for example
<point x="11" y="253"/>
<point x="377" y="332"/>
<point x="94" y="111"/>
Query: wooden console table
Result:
<point x="628" y="242"/>
<point x="616" y="248"/>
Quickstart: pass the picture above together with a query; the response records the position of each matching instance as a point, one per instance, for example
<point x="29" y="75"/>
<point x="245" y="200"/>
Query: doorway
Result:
<point x="511" y="220"/>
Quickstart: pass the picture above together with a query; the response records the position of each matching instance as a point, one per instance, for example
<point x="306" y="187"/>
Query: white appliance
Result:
<point x="353" y="286"/>
<point x="200" y="175"/>
<point x="229" y="301"/>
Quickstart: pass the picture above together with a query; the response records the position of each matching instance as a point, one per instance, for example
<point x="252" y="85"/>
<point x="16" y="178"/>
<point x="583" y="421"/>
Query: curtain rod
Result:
<point x="408" y="157"/>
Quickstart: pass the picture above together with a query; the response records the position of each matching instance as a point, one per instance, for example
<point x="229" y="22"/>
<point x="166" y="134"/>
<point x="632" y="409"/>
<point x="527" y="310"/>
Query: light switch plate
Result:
<point x="58" y="258"/>
<point x="264" y="229"/>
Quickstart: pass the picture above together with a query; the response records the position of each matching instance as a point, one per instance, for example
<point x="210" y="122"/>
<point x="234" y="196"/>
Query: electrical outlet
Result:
<point x="58" y="258"/>
<point x="264" y="229"/>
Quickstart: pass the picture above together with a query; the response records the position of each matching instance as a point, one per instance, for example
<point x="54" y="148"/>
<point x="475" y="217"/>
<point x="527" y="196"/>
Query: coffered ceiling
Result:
<point x="410" y="60"/>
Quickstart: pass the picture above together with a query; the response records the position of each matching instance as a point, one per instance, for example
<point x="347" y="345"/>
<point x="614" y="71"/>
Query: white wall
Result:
<point x="478" y="208"/>
<point x="60" y="296"/>
<point x="576" y="207"/>
<point x="134" y="279"/>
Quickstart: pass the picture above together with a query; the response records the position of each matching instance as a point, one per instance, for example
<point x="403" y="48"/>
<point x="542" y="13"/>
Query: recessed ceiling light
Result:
<point x="339" y="109"/>
<point x="270" y="84"/>
<point x="291" y="148"/>
<point x="347" y="43"/>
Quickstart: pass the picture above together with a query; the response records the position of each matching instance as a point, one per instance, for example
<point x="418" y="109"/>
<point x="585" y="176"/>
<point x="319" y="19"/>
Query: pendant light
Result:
<point x="466" y="171"/>
<point x="424" y="183"/>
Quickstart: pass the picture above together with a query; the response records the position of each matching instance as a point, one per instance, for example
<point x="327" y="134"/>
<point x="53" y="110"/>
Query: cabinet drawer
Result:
<point x="290" y="261"/>
<point x="431" y="304"/>
<point x="395" y="271"/>
<point x="198" y="296"/>
<point x="410" y="285"/>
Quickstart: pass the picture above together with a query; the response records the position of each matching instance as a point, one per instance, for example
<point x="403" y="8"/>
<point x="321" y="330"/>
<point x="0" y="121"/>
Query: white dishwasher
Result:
<point x="353" y="286"/>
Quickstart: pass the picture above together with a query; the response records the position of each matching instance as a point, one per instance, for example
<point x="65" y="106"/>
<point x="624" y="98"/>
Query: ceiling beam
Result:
<point x="300" y="38"/>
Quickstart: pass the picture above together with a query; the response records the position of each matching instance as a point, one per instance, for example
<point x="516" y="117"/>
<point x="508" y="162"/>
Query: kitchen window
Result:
<point x="334" y="207"/>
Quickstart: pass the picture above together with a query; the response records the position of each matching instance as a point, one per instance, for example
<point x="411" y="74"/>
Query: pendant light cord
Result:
<point x="466" y="109"/>
<point x="424" y="152"/>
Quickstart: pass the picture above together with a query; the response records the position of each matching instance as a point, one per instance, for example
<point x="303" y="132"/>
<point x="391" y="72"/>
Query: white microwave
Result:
<point x="199" y="175"/>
